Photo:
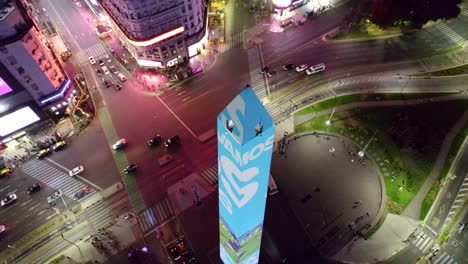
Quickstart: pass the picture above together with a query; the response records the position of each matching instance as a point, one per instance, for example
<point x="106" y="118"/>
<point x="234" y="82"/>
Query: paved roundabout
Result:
<point x="329" y="188"/>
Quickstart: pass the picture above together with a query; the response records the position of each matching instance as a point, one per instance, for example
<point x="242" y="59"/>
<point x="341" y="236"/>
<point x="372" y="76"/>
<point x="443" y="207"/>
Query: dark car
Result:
<point x="107" y="84"/>
<point x="113" y="69"/>
<point x="174" y="253"/>
<point x="173" y="141"/>
<point x="288" y="67"/>
<point x="265" y="69"/>
<point x="34" y="188"/>
<point x="118" y="87"/>
<point x="99" y="72"/>
<point x="155" y="141"/>
<point x="130" y="168"/>
<point x="81" y="194"/>
<point x="43" y="153"/>
<point x="271" y="73"/>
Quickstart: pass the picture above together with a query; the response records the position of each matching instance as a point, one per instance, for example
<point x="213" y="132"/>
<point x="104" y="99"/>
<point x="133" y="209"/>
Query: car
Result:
<point x="119" y="144"/>
<point x="81" y="193"/>
<point x="301" y="67"/>
<point x="105" y="70"/>
<point x="271" y="73"/>
<point x="118" y="87"/>
<point x="2" y="229"/>
<point x="174" y="253"/>
<point x="122" y="77"/>
<point x="107" y="57"/>
<point x="80" y="79"/>
<point x="54" y="196"/>
<point x="59" y="145"/>
<point x="6" y="172"/>
<point x="265" y="69"/>
<point x="92" y="60"/>
<point x="34" y="188"/>
<point x="288" y="67"/>
<point x="175" y="140"/>
<point x="155" y="141"/>
<point x="130" y="168"/>
<point x="287" y="22"/>
<point x="101" y="63"/>
<point x="113" y="69"/>
<point x="9" y="199"/>
<point x="76" y="171"/>
<point x="107" y="84"/>
<point x="315" y="69"/>
<point x="43" y="153"/>
<point x="99" y="72"/>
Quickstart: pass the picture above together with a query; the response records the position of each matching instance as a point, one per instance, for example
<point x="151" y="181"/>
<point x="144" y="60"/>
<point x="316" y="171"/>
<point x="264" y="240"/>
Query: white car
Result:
<point x="119" y="144"/>
<point x="9" y="199"/>
<point x="121" y="77"/>
<point x="92" y="60"/>
<point x="108" y="59"/>
<point x="301" y="67"/>
<point x="76" y="171"/>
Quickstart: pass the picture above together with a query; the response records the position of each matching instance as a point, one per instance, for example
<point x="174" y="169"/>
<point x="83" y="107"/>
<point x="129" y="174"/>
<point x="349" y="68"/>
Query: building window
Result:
<point x="20" y="70"/>
<point x="11" y="60"/>
<point x="190" y="7"/>
<point x="183" y="9"/>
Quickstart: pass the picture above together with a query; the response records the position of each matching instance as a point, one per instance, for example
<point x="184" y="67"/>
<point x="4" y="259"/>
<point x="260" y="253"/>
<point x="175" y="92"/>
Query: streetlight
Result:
<point x="328" y="121"/>
<point x="361" y="153"/>
<point x="79" y="249"/>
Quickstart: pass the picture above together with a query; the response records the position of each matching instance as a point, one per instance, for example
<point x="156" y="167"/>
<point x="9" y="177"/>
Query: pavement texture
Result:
<point x="385" y="243"/>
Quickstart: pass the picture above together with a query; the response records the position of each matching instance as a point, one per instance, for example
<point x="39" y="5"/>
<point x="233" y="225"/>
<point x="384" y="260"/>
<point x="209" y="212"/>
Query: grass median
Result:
<point x="406" y="144"/>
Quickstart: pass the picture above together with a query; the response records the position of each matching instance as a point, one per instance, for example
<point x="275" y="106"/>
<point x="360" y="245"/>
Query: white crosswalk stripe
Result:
<point x="257" y="81"/>
<point x="255" y="30"/>
<point x="155" y="215"/>
<point x="236" y="39"/>
<point x="95" y="51"/>
<point x="423" y="242"/>
<point x="445" y="259"/>
<point x="211" y="175"/>
<point x="464" y="12"/>
<point x="54" y="177"/>
<point x="99" y="214"/>
<point x="450" y="33"/>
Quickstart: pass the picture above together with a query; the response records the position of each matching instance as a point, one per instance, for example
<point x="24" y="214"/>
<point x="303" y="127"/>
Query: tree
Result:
<point x="385" y="13"/>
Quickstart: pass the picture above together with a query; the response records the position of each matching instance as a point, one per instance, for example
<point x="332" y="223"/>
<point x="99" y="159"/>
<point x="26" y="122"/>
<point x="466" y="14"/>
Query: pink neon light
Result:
<point x="4" y="87"/>
<point x="157" y="39"/>
<point x="148" y="63"/>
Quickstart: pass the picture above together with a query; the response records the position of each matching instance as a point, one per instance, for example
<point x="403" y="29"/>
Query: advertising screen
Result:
<point x="244" y="159"/>
<point x="17" y="120"/>
<point x="4" y="87"/>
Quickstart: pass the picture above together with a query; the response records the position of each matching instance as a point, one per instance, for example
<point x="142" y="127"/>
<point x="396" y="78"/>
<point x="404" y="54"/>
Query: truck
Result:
<point x="60" y="47"/>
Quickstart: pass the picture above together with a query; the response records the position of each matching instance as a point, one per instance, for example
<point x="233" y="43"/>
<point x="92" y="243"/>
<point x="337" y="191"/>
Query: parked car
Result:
<point x="43" y="153"/>
<point x="113" y="69"/>
<point x="130" y="168"/>
<point x="118" y="87"/>
<point x="34" y="188"/>
<point x="92" y="60"/>
<point x="155" y="141"/>
<point x="173" y="141"/>
<point x="119" y="144"/>
<point x="101" y="62"/>
<point x="105" y="70"/>
<point x="302" y="67"/>
<point x="9" y="199"/>
<point x="288" y="67"/>
<point x="59" y="145"/>
<point x="76" y="171"/>
<point x="122" y="77"/>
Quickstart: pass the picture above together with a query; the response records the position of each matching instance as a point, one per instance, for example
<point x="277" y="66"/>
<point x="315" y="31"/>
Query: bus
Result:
<point x="272" y="187"/>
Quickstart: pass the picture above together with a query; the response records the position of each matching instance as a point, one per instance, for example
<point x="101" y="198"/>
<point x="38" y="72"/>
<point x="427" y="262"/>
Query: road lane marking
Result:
<point x="25" y="203"/>
<point x="198" y="97"/>
<point x="32" y="208"/>
<point x="8" y="186"/>
<point x="186" y="98"/>
<point x="177" y="117"/>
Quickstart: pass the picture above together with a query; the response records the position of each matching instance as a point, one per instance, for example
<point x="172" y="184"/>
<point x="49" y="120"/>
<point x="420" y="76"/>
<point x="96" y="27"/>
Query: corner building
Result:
<point x="33" y="85"/>
<point x="159" y="33"/>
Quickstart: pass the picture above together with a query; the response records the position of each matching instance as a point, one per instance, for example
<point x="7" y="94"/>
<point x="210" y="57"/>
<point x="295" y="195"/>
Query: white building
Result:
<point x="33" y="85"/>
<point x="159" y="33"/>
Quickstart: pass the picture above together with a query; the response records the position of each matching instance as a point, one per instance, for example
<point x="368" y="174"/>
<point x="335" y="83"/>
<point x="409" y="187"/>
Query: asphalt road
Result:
<point x="457" y="244"/>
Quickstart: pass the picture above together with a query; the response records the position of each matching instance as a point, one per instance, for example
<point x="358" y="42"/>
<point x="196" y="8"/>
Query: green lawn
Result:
<point x="366" y="29"/>
<point x="429" y="200"/>
<point x="447" y="72"/>
<point x="405" y="146"/>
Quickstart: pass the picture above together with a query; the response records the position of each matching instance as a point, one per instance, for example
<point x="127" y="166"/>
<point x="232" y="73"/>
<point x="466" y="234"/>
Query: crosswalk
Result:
<point x="54" y="177"/>
<point x="257" y="81"/>
<point x="156" y="215"/>
<point x="95" y="51"/>
<point x="450" y="33"/>
<point x="254" y="31"/>
<point x="423" y="242"/>
<point x="445" y="258"/>
<point x="236" y="39"/>
<point x="239" y="37"/>
<point x="99" y="214"/>
<point x="211" y="175"/>
<point x="464" y="12"/>
<point x="459" y="200"/>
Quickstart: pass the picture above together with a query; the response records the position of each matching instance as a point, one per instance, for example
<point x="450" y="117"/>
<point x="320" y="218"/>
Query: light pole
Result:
<point x="328" y="121"/>
<point x="361" y="153"/>
<point x="79" y="249"/>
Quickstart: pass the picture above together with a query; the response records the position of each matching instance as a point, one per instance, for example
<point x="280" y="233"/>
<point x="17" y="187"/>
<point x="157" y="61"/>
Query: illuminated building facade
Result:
<point x="245" y="146"/>
<point x="33" y="85"/>
<point x="158" y="33"/>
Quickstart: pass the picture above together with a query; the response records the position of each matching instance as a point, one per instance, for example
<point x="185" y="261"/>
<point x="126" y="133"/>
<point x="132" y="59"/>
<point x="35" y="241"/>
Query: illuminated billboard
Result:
<point x="245" y="145"/>
<point x="17" y="120"/>
<point x="4" y="87"/>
